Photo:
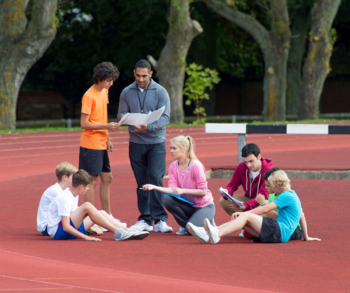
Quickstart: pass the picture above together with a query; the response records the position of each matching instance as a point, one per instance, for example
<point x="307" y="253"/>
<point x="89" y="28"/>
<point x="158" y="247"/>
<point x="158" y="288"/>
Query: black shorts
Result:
<point x="270" y="232"/>
<point x="297" y="235"/>
<point x="94" y="161"/>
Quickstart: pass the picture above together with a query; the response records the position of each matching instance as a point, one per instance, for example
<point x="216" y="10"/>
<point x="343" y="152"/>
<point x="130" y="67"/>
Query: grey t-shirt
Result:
<point x="156" y="97"/>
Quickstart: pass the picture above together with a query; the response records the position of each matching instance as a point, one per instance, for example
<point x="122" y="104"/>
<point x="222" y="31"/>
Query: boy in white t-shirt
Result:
<point x="64" y="173"/>
<point x="67" y="221"/>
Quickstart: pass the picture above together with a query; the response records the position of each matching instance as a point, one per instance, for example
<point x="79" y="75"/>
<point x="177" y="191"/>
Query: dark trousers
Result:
<point x="148" y="163"/>
<point x="184" y="212"/>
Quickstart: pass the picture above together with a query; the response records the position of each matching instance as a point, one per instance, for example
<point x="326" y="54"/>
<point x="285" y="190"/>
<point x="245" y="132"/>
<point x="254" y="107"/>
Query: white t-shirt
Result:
<point x="254" y="174"/>
<point x="47" y="197"/>
<point x="62" y="205"/>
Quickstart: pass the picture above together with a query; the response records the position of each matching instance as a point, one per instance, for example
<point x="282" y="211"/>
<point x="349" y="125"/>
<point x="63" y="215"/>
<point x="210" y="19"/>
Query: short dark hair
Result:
<point x="269" y="172"/>
<point x="105" y="70"/>
<point x="81" y="177"/>
<point x="143" y="64"/>
<point x="250" y="149"/>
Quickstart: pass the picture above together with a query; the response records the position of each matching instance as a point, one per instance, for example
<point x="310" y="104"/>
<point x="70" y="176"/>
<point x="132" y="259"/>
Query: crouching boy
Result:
<point x="263" y="229"/>
<point x="66" y="221"/>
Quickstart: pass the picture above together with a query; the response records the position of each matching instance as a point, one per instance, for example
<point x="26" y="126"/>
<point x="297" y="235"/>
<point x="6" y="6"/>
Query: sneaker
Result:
<point x="124" y="224"/>
<point x="140" y="235"/>
<point x="198" y="232"/>
<point x="162" y="227"/>
<point x="182" y="231"/>
<point x="103" y="229"/>
<point x="241" y="234"/>
<point x="212" y="232"/>
<point x="141" y="226"/>
<point x="122" y="234"/>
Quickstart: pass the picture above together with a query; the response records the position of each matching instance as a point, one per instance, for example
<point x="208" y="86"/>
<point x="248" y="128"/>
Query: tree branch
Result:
<point x="244" y="21"/>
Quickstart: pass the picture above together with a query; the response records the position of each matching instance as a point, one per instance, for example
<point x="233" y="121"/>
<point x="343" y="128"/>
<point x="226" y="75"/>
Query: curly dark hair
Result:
<point x="105" y="70"/>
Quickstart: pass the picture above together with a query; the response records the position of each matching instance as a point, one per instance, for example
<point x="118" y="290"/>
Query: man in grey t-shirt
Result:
<point x="147" y="145"/>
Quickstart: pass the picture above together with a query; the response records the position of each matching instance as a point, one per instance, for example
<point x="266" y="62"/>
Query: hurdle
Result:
<point x="243" y="129"/>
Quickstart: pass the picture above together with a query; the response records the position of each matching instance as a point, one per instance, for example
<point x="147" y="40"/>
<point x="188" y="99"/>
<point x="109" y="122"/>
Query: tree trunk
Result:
<point x="170" y="66"/>
<point x="22" y="43"/>
<point x="299" y="30"/>
<point x="274" y="45"/>
<point x="316" y="67"/>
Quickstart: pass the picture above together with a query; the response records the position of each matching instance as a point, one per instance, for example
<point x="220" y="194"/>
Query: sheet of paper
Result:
<point x="138" y="118"/>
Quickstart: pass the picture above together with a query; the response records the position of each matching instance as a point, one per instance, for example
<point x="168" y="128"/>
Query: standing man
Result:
<point x="147" y="145"/>
<point x="94" y="142"/>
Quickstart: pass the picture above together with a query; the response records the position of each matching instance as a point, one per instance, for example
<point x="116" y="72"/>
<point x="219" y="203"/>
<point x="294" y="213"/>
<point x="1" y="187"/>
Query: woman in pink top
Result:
<point x="187" y="179"/>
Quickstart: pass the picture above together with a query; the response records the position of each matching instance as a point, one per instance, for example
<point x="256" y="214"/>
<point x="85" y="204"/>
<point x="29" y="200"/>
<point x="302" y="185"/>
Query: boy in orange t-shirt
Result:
<point x="95" y="142"/>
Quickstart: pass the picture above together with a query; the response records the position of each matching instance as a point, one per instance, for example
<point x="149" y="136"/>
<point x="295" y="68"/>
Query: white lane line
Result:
<point x="126" y="272"/>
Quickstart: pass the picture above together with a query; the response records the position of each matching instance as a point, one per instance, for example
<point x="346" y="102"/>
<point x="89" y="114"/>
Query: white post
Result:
<point x="241" y="144"/>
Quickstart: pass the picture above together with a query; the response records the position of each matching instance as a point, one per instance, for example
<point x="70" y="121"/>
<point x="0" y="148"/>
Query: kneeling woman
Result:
<point x="187" y="179"/>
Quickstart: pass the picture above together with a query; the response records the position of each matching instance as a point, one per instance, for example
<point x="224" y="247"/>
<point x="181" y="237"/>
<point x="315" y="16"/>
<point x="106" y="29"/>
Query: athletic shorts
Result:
<point x="297" y="235"/>
<point x="63" y="235"/>
<point x="45" y="233"/>
<point x="94" y="161"/>
<point x="270" y="232"/>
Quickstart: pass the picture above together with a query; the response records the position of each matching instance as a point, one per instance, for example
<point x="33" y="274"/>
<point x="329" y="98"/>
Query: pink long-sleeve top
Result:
<point x="192" y="178"/>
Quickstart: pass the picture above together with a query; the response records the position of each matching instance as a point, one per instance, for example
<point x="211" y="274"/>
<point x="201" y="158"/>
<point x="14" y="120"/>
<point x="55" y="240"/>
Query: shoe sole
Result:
<point x="139" y="236"/>
<point x="177" y="233"/>
<point x="169" y="231"/>
<point x="190" y="230"/>
<point x="206" y="224"/>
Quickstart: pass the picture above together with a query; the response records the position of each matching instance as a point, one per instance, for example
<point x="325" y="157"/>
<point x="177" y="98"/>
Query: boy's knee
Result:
<point x="87" y="205"/>
<point x="107" y="178"/>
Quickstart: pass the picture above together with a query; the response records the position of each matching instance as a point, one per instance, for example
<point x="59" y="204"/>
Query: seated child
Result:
<point x="263" y="229"/>
<point x="298" y="234"/>
<point x="67" y="221"/>
<point x="64" y="173"/>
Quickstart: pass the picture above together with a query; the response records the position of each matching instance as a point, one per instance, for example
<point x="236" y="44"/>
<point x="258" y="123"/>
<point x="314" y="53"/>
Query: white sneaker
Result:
<point x="122" y="234"/>
<point x="162" y="227"/>
<point x="198" y="232"/>
<point x="103" y="229"/>
<point x="212" y="232"/>
<point x="182" y="231"/>
<point x="241" y="234"/>
<point x="141" y="226"/>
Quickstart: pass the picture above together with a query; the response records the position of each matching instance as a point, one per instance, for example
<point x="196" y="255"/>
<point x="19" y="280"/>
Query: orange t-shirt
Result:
<point x="94" y="103"/>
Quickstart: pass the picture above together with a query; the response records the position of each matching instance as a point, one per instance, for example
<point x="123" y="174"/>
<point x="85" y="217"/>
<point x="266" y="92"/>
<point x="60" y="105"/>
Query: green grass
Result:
<point x="56" y="129"/>
<point x="300" y="121"/>
<point x="53" y="129"/>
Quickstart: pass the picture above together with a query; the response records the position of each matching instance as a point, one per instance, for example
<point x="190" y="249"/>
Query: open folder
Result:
<point x="237" y="202"/>
<point x="139" y="118"/>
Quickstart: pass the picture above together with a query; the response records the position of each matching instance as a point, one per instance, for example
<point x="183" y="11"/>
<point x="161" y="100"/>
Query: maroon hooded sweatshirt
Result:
<point x="242" y="176"/>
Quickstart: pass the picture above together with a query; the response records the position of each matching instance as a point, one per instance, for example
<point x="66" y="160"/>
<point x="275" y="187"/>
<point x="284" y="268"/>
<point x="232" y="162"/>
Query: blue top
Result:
<point x="156" y="98"/>
<point x="289" y="212"/>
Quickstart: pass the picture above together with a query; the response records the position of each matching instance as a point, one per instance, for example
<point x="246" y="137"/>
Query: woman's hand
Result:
<point x="176" y="191"/>
<point x="148" y="187"/>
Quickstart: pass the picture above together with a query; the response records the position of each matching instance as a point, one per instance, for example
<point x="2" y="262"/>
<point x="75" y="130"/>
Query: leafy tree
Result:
<point x="171" y="63"/>
<point x="198" y="82"/>
<point x="27" y="29"/>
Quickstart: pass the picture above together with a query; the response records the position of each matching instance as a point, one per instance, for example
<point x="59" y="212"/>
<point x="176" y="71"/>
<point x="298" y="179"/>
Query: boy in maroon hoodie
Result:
<point x="249" y="174"/>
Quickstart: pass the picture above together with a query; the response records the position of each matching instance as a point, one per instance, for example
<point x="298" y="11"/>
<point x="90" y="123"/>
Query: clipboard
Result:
<point x="237" y="202"/>
<point x="181" y="198"/>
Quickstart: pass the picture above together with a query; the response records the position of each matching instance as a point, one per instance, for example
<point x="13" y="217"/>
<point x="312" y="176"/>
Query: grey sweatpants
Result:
<point x="184" y="212"/>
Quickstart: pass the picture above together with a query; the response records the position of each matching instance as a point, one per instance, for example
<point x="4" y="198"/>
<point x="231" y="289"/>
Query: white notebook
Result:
<point x="138" y="118"/>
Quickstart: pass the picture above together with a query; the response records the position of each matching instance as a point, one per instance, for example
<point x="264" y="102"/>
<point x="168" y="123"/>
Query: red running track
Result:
<point x="171" y="263"/>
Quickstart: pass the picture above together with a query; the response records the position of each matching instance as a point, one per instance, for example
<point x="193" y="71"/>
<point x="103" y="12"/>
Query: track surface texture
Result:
<point x="31" y="262"/>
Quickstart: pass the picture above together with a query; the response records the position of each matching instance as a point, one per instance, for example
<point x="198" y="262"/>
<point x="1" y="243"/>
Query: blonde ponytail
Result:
<point x="186" y="142"/>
